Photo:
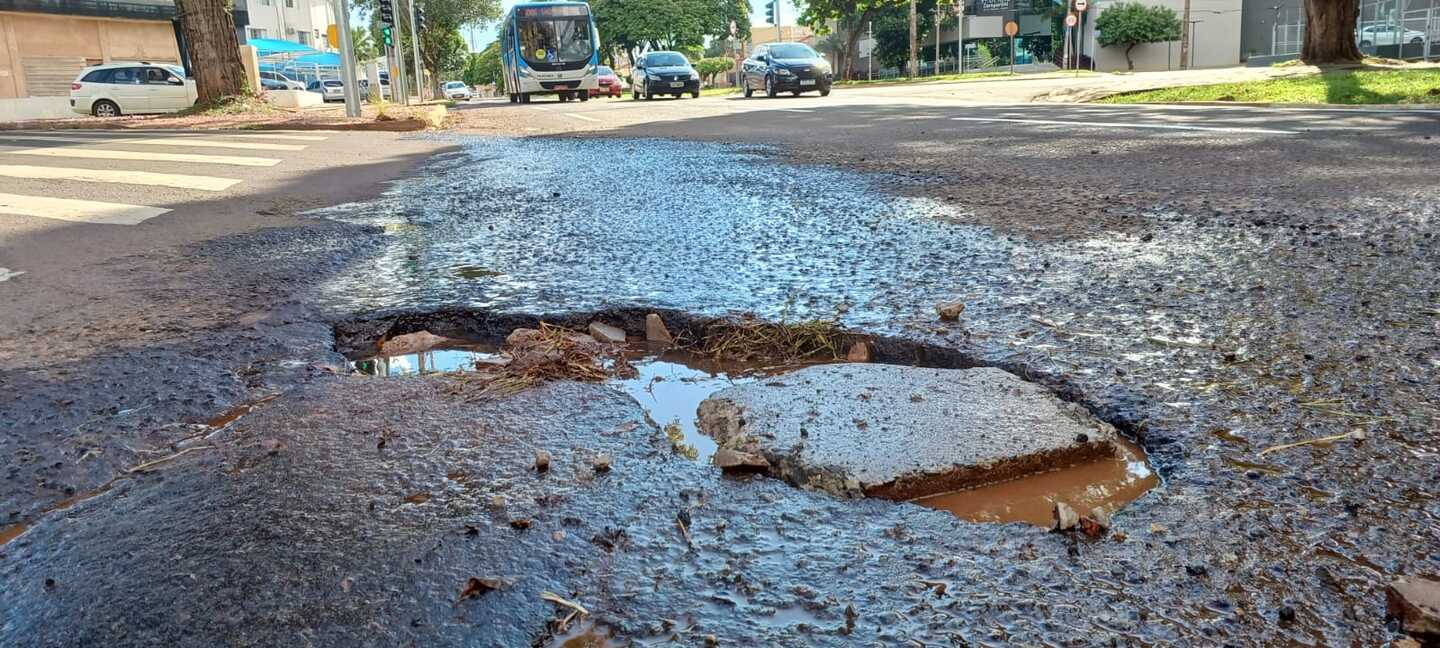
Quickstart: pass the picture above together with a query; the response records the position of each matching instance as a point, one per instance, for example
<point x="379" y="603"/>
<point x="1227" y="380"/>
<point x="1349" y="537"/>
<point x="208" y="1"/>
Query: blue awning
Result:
<point x="268" y="46"/>
<point x="322" y="58"/>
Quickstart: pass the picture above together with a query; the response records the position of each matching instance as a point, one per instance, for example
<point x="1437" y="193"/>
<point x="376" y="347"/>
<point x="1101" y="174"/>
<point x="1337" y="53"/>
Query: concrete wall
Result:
<point x="52" y="46"/>
<point x="1216" y="39"/>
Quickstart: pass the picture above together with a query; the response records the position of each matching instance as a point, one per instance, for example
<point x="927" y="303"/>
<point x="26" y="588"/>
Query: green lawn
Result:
<point x="1412" y="86"/>
<point x="715" y="92"/>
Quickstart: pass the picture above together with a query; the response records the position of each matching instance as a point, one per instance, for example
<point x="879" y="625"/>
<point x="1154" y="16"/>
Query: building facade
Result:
<point x="298" y="21"/>
<point x="44" y="44"/>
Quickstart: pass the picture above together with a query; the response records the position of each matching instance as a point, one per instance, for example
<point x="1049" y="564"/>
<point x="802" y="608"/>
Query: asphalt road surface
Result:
<point x="192" y="460"/>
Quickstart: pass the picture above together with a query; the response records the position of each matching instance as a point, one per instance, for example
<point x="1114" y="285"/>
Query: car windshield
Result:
<point x="604" y="71"/>
<point x="332" y="84"/>
<point x="454" y="84"/>
<point x="792" y="51"/>
<point x="665" y="59"/>
<point x="555" y="34"/>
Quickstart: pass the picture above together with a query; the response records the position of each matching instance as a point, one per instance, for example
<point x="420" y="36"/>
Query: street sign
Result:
<point x="1071" y="20"/>
<point x="332" y="34"/>
<point x="1081" y="5"/>
<point x="1012" y="28"/>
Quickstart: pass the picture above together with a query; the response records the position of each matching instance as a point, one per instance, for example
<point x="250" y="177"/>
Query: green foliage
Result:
<point x="631" y="26"/>
<point x="1397" y="86"/>
<point x="892" y="32"/>
<point x="1129" y="24"/>
<point x="484" y="68"/>
<point x="442" y="52"/>
<point x="363" y="44"/>
<point x="709" y="67"/>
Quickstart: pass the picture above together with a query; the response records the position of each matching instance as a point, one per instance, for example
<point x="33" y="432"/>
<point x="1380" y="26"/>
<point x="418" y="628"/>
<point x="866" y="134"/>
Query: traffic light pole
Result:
<point x="415" y="43"/>
<point x="347" y="62"/>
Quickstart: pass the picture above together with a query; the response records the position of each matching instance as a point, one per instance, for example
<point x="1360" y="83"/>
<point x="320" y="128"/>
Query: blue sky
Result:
<point x="478" y="38"/>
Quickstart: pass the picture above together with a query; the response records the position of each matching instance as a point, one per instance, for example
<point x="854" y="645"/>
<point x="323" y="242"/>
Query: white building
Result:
<point x="299" y="21"/>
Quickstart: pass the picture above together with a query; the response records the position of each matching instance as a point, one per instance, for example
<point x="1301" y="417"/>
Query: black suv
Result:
<point x="786" y="67"/>
<point x="662" y="73"/>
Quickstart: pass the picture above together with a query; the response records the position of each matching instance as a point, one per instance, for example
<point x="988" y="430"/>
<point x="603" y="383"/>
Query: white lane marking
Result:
<point x="103" y="154"/>
<point x="541" y="108"/>
<point x="579" y="116"/>
<point x="212" y="143"/>
<point x="282" y="136"/>
<point x="797" y="110"/>
<point x="1096" y="124"/>
<point x="159" y="141"/>
<point x="7" y="274"/>
<point x="179" y="181"/>
<point x="80" y="211"/>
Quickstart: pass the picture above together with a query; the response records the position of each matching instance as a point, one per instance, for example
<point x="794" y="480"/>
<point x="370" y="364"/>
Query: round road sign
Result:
<point x="1081" y="5"/>
<point x="1012" y="28"/>
<point x="1070" y="20"/>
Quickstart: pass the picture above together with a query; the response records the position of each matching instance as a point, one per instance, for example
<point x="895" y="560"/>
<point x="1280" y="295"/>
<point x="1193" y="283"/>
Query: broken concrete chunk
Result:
<point x="606" y="333"/>
<point x="655" y="330"/>
<point x="411" y="343"/>
<point x="974" y="427"/>
<point x="736" y="461"/>
<point x="1065" y="517"/>
<point x="542" y="460"/>
<point x="1415" y="603"/>
<point x="601" y="462"/>
<point x="859" y="352"/>
<point x="950" y="311"/>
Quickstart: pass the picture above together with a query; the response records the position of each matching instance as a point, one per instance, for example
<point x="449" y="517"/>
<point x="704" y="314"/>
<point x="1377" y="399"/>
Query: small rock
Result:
<point x="711" y="641"/>
<point x="520" y="523"/>
<point x="497" y="501"/>
<point x="601" y="463"/>
<point x="346" y="583"/>
<point x="859" y="352"/>
<point x="655" y="330"/>
<point x="411" y="343"/>
<point x="1157" y="528"/>
<point x="542" y="461"/>
<point x="1286" y="614"/>
<point x="1101" y="516"/>
<point x="1415" y="603"/>
<point x="271" y="446"/>
<point x="558" y="535"/>
<point x="606" y="333"/>
<point x="740" y="462"/>
<point x="1065" y="518"/>
<point x="950" y="311"/>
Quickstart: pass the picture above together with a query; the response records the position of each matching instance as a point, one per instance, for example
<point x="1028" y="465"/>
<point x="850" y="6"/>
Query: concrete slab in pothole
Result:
<point x="902" y="432"/>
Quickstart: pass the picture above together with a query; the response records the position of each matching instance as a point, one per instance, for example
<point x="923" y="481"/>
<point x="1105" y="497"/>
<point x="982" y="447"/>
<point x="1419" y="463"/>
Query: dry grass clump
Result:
<point x="752" y="339"/>
<point x="552" y="353"/>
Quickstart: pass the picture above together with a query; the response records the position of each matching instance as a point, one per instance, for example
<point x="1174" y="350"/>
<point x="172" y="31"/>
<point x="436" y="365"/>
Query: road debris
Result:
<point x="655" y="330"/>
<point x="950" y="311"/>
<point x="478" y="586"/>
<point x="1415" y="603"/>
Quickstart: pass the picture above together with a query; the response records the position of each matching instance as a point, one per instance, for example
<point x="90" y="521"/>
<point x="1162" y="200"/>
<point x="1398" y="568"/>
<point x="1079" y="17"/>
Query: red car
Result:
<point x="609" y="83"/>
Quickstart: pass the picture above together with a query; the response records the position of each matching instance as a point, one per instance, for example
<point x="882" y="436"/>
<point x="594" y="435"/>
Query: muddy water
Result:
<point x="1111" y="483"/>
<point x="671" y="384"/>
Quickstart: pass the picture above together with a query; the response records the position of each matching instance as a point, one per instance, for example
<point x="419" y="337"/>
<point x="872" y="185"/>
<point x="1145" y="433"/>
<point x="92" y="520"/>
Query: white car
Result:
<point x="1377" y="35"/>
<point x="276" y="77"/>
<point x="456" y="90"/>
<point x="131" y="88"/>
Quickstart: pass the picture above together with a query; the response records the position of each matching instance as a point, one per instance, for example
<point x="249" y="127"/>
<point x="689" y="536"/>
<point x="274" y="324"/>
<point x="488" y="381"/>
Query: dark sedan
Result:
<point x="662" y="73"/>
<point x="786" y="67"/>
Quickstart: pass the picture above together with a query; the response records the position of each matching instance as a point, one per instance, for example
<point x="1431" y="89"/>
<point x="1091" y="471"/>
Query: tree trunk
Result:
<point x="214" y="51"/>
<point x="1129" y="64"/>
<point x="1330" y="32"/>
<point x="914" y="66"/>
<point x="852" y="43"/>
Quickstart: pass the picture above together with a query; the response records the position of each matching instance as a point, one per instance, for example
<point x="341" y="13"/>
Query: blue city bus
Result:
<point x="549" y="48"/>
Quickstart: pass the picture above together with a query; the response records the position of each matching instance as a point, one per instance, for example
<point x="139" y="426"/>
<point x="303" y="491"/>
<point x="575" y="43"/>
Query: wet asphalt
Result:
<point x="1208" y="336"/>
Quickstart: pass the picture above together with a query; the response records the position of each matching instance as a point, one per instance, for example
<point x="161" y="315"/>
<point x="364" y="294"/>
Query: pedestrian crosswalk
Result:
<point x="177" y="180"/>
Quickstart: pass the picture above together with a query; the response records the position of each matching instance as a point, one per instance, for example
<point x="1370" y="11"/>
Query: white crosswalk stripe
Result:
<point x="7" y="274"/>
<point x="159" y="141"/>
<point x="179" y="181"/>
<point x="106" y="154"/>
<point x="81" y="211"/>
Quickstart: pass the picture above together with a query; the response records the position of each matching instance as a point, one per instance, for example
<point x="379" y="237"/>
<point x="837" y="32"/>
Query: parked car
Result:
<point x="786" y="67"/>
<point x="1376" y="35"/>
<point x="285" y="83"/>
<point x="660" y="73"/>
<point x="456" y="90"/>
<point x="131" y="88"/>
<point x="610" y="83"/>
<point x="330" y="89"/>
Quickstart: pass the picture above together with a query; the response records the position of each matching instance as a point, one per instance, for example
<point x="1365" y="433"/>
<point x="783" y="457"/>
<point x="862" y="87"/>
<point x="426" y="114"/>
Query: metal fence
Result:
<point x="1400" y="29"/>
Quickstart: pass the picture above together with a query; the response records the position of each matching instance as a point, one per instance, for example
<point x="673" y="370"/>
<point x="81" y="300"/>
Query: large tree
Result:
<point x="1130" y="24"/>
<point x="819" y="14"/>
<point x="483" y="68"/>
<point x="1330" y="32"/>
<point x="209" y="32"/>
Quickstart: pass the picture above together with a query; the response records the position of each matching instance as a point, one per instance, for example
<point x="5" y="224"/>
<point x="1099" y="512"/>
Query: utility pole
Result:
<point x="870" y="59"/>
<point x="937" y="40"/>
<point x="960" y="33"/>
<point x="1191" y="31"/>
<point x="415" y="44"/>
<point x="913" y="66"/>
<point x="1185" y="38"/>
<point x="779" y="35"/>
<point x="347" y="62"/>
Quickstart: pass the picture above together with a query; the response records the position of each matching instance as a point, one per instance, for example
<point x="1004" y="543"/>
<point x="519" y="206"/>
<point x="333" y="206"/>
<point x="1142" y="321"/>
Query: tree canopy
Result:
<point x="633" y="26"/>
<point x="483" y="68"/>
<point x="709" y="67"/>
<point x="1129" y="24"/>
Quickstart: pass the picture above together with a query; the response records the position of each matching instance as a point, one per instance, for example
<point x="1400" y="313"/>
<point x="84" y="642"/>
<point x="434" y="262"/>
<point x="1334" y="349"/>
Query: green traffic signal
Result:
<point x="385" y="31"/>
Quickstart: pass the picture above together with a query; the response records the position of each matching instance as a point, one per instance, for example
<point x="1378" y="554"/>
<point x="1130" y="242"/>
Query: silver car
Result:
<point x="331" y="89"/>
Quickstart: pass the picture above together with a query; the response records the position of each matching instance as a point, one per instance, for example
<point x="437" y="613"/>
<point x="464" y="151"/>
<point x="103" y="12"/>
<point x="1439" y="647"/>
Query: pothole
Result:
<point x="978" y="442"/>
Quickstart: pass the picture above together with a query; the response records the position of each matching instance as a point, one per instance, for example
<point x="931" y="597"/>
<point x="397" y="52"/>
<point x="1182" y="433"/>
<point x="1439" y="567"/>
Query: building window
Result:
<point x="304" y="38"/>
<point x="255" y="32"/>
<point x="290" y="4"/>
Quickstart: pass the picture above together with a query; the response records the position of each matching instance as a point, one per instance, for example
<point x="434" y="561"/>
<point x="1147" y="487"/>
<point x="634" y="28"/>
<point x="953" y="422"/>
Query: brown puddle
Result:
<point x="233" y="414"/>
<point x="1111" y="483"/>
<point x="9" y="533"/>
<point x="584" y="635"/>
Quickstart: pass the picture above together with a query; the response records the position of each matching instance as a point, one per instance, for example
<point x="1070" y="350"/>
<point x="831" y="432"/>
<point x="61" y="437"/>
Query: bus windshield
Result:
<point x="559" y="39"/>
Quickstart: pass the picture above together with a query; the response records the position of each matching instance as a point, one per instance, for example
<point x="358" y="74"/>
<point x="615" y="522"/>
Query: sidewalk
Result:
<point x="1060" y="87"/>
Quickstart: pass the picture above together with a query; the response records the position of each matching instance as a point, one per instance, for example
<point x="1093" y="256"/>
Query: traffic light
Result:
<point x="770" y="12"/>
<point x="387" y="12"/>
<point x="387" y="36"/>
<point x="419" y="18"/>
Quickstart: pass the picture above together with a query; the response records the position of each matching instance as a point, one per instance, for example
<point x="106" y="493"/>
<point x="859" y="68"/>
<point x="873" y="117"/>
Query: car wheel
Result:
<point x="825" y="91"/>
<point x="695" y="94"/>
<point x="1417" y="41"/>
<point x="585" y="96"/>
<point x="795" y="93"/>
<point x="749" y="91"/>
<point x="105" y="108"/>
<point x="770" y="87"/>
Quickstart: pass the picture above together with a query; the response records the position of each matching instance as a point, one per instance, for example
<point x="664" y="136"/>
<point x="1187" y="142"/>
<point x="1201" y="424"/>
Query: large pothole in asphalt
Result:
<point x="981" y="443"/>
